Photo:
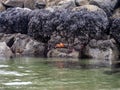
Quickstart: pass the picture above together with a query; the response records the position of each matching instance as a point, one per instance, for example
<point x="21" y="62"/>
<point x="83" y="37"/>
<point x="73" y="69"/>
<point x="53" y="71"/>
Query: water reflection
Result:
<point x="56" y="74"/>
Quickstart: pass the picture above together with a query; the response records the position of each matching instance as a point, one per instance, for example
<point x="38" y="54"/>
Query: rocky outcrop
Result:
<point x="103" y="50"/>
<point x="73" y="22"/>
<point x="65" y="31"/>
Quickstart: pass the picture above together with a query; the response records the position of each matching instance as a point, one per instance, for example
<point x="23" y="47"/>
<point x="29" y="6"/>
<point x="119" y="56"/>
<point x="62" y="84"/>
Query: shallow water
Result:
<point x="55" y="74"/>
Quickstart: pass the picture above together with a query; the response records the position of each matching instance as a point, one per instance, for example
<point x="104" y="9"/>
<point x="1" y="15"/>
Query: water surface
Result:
<point x="55" y="74"/>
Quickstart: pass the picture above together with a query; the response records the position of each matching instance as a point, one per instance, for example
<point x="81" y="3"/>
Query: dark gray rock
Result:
<point x="72" y="23"/>
<point x="40" y="25"/>
<point x="14" y="20"/>
<point x="115" y="29"/>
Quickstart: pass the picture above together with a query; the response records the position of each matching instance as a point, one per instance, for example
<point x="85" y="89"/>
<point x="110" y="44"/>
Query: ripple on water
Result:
<point x="3" y="72"/>
<point x="17" y="83"/>
<point x="4" y="66"/>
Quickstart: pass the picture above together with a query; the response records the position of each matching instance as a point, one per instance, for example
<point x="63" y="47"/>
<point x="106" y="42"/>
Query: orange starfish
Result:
<point x="60" y="45"/>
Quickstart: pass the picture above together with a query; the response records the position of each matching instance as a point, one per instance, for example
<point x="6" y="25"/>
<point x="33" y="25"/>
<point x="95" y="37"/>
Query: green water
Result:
<point x="54" y="74"/>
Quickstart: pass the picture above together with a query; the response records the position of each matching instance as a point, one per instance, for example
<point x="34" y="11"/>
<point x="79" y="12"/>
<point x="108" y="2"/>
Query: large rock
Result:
<point x="23" y="45"/>
<point x="106" y="50"/>
<point x="115" y="29"/>
<point x="40" y="25"/>
<point x="107" y="5"/>
<point x="90" y="20"/>
<point x="5" y="51"/>
<point x="92" y="23"/>
<point x="14" y="20"/>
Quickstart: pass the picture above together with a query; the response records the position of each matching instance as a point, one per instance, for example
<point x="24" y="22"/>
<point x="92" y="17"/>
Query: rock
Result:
<point x="115" y="30"/>
<point x="5" y="51"/>
<point x="81" y="2"/>
<point x="91" y="18"/>
<point x="106" y="50"/>
<point x="2" y="8"/>
<point x="31" y="4"/>
<point x="66" y="4"/>
<point x="52" y="2"/>
<point x="14" y="20"/>
<point x="116" y="13"/>
<point x="34" y="48"/>
<point x="43" y="23"/>
<point x="107" y="5"/>
<point x="63" y="53"/>
<point x="40" y="25"/>
<point x="23" y="45"/>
